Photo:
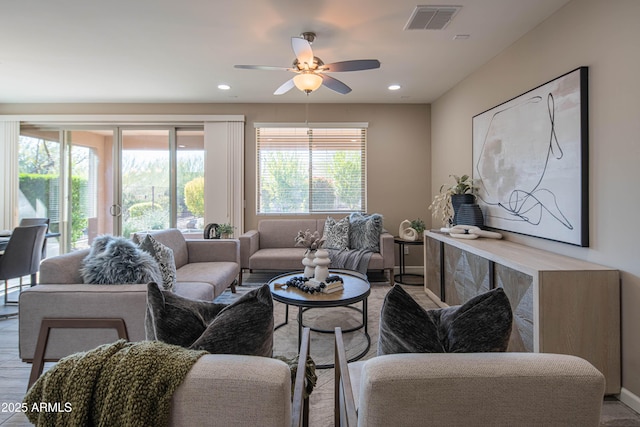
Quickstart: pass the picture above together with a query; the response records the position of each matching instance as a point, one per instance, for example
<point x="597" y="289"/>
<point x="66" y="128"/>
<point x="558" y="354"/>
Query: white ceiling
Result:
<point x="161" y="51"/>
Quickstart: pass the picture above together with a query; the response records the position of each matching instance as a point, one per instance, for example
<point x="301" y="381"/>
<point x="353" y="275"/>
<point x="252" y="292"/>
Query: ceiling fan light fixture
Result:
<point x="307" y="82"/>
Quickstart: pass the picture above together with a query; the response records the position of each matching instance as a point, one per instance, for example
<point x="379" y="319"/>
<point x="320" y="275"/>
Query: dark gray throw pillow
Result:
<point x="482" y="324"/>
<point x="243" y="327"/>
<point x="177" y="320"/>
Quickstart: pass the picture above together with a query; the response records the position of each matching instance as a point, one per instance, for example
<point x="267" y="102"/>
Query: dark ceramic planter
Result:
<point x="470" y="214"/>
<point x="459" y="199"/>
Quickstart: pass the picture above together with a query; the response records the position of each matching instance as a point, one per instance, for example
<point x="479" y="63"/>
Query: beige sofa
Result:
<point x="205" y="268"/>
<point x="272" y="246"/>
<point x="467" y="389"/>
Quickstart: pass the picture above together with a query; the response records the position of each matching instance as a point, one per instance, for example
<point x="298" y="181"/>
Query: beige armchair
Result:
<point x="465" y="389"/>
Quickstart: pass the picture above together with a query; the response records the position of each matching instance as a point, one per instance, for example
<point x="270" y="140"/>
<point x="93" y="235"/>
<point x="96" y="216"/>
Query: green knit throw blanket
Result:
<point x="119" y="384"/>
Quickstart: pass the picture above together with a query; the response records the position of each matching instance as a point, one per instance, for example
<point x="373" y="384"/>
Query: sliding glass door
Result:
<point x="146" y="180"/>
<point x="111" y="181"/>
<point x="89" y="188"/>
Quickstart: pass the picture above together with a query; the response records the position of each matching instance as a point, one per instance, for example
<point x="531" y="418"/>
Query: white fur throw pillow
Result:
<point x="117" y="260"/>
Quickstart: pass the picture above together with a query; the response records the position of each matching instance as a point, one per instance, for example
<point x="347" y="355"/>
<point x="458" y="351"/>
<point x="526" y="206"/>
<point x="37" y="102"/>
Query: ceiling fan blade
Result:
<point x="355" y="65"/>
<point x="286" y="87"/>
<point x="335" y="84"/>
<point x="302" y="49"/>
<point x="262" y="67"/>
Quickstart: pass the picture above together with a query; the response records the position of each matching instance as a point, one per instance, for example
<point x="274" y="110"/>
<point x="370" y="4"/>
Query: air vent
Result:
<point x="431" y="17"/>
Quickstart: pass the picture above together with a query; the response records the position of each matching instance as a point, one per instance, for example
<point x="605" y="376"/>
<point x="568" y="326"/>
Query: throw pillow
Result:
<point x="364" y="231"/>
<point x="243" y="327"/>
<point x="336" y="233"/>
<point x="482" y="324"/>
<point x="164" y="256"/>
<point x="174" y="319"/>
<point x="100" y="244"/>
<point x="120" y="262"/>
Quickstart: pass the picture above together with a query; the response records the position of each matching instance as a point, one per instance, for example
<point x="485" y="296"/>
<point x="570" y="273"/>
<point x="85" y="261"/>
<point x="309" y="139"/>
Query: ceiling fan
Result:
<point x="310" y="70"/>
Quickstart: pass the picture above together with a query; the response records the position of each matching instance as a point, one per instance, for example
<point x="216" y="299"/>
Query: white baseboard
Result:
<point x="629" y="399"/>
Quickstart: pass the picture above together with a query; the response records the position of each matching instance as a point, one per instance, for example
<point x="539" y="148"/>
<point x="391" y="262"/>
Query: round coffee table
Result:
<point x="356" y="289"/>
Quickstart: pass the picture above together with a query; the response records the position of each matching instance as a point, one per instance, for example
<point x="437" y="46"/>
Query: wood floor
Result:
<point x="14" y="374"/>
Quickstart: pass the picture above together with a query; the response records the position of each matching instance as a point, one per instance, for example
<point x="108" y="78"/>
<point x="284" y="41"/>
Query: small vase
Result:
<point x="321" y="262"/>
<point x="309" y="263"/>
<point x="470" y="214"/>
<point x="459" y="199"/>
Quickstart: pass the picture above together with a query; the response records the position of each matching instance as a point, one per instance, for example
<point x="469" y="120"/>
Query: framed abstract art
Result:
<point x="530" y="161"/>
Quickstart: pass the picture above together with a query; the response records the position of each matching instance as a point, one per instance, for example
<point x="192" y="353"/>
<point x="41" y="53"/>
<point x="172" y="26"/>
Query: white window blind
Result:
<point x="311" y="170"/>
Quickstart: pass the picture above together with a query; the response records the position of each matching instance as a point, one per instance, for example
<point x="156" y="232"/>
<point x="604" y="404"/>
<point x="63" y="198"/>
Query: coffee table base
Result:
<point x="301" y="326"/>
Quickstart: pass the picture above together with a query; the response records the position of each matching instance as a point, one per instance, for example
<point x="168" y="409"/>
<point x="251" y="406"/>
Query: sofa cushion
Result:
<point x="482" y="324"/>
<point x="275" y="233"/>
<point x="243" y="327"/>
<point x="278" y="259"/>
<point x="336" y="233"/>
<point x="217" y="274"/>
<point x="164" y="256"/>
<point x="117" y="260"/>
<point x="364" y="231"/>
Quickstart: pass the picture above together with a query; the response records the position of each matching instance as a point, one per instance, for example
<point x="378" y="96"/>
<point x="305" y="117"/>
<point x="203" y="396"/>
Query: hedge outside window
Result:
<point x="311" y="170"/>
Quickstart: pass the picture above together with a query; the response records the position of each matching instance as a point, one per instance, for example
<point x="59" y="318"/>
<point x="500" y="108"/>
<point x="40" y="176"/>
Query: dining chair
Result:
<point x="24" y="222"/>
<point x="22" y="256"/>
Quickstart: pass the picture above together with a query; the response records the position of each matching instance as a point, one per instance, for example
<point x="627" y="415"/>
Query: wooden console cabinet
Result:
<point x="560" y="304"/>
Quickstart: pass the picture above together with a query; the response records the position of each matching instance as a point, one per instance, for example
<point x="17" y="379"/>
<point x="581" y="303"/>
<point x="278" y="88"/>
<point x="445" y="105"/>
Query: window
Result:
<point x="311" y="170"/>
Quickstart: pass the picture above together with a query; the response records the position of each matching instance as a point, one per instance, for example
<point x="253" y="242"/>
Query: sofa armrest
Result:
<point x="387" y="250"/>
<point x="127" y="302"/>
<point x="345" y="408"/>
<point x="213" y="250"/>
<point x="300" y="402"/>
<point x="249" y="245"/>
<point x="63" y="268"/>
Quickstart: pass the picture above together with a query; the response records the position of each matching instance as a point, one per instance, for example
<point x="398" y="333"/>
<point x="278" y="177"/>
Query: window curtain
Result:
<point x="9" y="135"/>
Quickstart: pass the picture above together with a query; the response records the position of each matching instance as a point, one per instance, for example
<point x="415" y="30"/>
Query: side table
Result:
<point x="407" y="278"/>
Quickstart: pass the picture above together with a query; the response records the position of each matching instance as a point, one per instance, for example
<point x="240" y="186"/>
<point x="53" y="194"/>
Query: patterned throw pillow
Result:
<point x="364" y="231"/>
<point x="242" y="327"/>
<point x="482" y="324"/>
<point x="164" y="255"/>
<point x="336" y="233"/>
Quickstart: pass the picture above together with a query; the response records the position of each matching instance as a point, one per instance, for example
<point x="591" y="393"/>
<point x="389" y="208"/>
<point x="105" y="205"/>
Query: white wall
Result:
<point x="605" y="36"/>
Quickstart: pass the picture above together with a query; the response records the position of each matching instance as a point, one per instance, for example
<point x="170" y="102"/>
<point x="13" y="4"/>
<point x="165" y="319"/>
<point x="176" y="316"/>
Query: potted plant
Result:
<point x="445" y="204"/>
<point x="225" y="230"/>
<point x="418" y="225"/>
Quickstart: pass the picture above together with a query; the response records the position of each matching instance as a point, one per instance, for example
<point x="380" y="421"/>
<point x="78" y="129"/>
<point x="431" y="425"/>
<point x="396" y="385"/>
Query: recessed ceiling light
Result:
<point x="462" y="37"/>
<point x="394" y="87"/>
<point x="224" y="87"/>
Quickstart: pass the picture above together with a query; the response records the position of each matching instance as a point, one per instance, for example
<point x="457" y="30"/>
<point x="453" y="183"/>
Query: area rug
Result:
<point x="286" y="337"/>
